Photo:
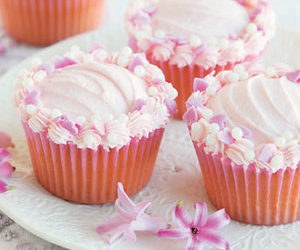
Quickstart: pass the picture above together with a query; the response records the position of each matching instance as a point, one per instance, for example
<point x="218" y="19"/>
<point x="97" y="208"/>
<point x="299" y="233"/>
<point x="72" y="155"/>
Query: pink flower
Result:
<point x="6" y="168"/>
<point x="5" y="140"/>
<point x="131" y="218"/>
<point x="200" y="232"/>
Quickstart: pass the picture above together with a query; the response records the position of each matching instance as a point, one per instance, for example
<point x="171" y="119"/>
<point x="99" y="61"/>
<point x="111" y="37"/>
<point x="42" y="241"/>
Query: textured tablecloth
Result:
<point x="13" y="236"/>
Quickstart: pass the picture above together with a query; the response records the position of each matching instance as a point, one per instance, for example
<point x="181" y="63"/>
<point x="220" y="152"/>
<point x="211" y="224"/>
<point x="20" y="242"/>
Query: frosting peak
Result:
<point x="92" y="89"/>
<point x="194" y="17"/>
<point x="267" y="106"/>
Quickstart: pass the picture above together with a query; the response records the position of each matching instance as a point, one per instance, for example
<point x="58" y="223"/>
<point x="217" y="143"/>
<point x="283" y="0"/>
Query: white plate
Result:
<point x="176" y="176"/>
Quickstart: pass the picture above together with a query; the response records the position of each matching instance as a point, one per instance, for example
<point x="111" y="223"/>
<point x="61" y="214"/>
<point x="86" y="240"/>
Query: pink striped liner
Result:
<point x="43" y="22"/>
<point x="89" y="176"/>
<point x="251" y="195"/>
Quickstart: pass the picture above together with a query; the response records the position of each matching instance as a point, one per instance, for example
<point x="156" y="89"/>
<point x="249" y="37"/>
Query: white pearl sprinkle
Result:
<point x="249" y="155"/>
<point x="211" y="139"/>
<point x="31" y="109"/>
<point x="40" y="75"/>
<point x="28" y="82"/>
<point x="172" y="93"/>
<point x="80" y="120"/>
<point x="160" y="34"/>
<point x="288" y="135"/>
<point x="195" y="41"/>
<point x="239" y="68"/>
<point x="251" y="28"/>
<point x="277" y="161"/>
<point x="112" y="138"/>
<point x="280" y="142"/>
<point x="139" y="71"/>
<point x="237" y="133"/>
<point x="195" y="127"/>
<point x="207" y="113"/>
<point x="270" y="71"/>
<point x="123" y="61"/>
<point x="233" y="77"/>
<point x="35" y="62"/>
<point x="214" y="128"/>
<point x="223" y="43"/>
<point x="55" y="113"/>
<point x="141" y="35"/>
<point x="152" y="91"/>
<point x="211" y="90"/>
<point x="89" y="139"/>
<point x="127" y="51"/>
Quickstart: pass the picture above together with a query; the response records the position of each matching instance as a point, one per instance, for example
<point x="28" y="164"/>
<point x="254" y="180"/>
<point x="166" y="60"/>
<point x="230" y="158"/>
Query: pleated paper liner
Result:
<point x="251" y="195"/>
<point x="91" y="176"/>
<point x="43" y="22"/>
<point x="183" y="79"/>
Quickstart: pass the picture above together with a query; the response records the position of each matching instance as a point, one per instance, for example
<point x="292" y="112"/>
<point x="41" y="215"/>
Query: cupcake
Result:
<point x="194" y="38"/>
<point x="245" y="126"/>
<point x="49" y="21"/>
<point x="92" y="120"/>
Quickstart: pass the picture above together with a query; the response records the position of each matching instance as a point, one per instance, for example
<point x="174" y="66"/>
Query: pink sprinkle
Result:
<point x="225" y="136"/>
<point x="139" y="19"/>
<point x="171" y="106"/>
<point x="200" y="85"/>
<point x="139" y="103"/>
<point x="190" y="115"/>
<point x="32" y="98"/>
<point x="246" y="132"/>
<point x="178" y="40"/>
<point x="48" y="67"/>
<point x="133" y="43"/>
<point x="157" y="81"/>
<point x="194" y="101"/>
<point x="61" y="62"/>
<point x="294" y="76"/>
<point x="136" y="61"/>
<point x="266" y="153"/>
<point x="95" y="46"/>
<point x="68" y="125"/>
<point x="220" y="120"/>
<point x="150" y="10"/>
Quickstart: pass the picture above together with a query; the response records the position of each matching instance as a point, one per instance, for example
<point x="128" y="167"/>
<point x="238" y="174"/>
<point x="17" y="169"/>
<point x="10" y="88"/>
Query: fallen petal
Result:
<point x="181" y="217"/>
<point x="217" y="220"/>
<point x="201" y="214"/>
<point x="5" y="140"/>
<point x="6" y="170"/>
<point x="175" y="234"/>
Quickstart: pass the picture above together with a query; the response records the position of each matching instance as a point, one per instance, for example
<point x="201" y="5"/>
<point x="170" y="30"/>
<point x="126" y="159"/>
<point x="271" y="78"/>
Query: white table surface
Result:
<point x="13" y="236"/>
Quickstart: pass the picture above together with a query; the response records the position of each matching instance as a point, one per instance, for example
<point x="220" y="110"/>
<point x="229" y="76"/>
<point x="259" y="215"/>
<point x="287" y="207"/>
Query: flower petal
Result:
<point x="149" y="223"/>
<point x="201" y="214"/>
<point x="175" y="234"/>
<point x="3" y="188"/>
<point x="193" y="243"/>
<point x="6" y="170"/>
<point x="109" y="225"/>
<point x="123" y="197"/>
<point x="217" y="220"/>
<point x="5" y="140"/>
<point x="129" y="234"/>
<point x="212" y="238"/>
<point x="4" y="156"/>
<point x="181" y="217"/>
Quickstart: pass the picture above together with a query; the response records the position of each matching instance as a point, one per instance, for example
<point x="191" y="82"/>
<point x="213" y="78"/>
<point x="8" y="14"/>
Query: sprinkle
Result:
<point x="190" y="115"/>
<point x="127" y="51"/>
<point x="206" y="113"/>
<point x="277" y="161"/>
<point x="220" y="120"/>
<point x="266" y="153"/>
<point x="160" y="34"/>
<point x="40" y="75"/>
<point x="195" y="41"/>
<point x="211" y="90"/>
<point x="171" y="106"/>
<point x="200" y="85"/>
<point x="31" y="109"/>
<point x="123" y="61"/>
<point x="293" y="76"/>
<point x="139" y="71"/>
<point x="136" y="61"/>
<point x="225" y="136"/>
<point x="237" y="133"/>
<point x="211" y="139"/>
<point x="246" y="132"/>
<point x="214" y="128"/>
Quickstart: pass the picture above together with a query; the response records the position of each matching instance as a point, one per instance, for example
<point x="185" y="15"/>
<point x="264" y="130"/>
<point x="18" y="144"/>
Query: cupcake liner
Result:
<point x="183" y="79"/>
<point x="251" y="195"/>
<point x="48" y="21"/>
<point x="89" y="176"/>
